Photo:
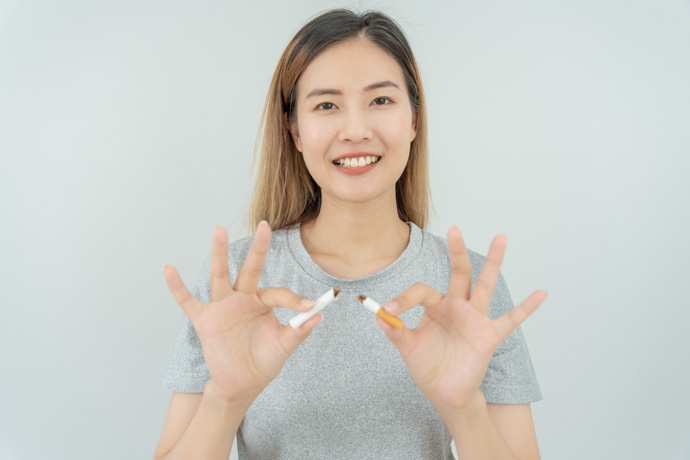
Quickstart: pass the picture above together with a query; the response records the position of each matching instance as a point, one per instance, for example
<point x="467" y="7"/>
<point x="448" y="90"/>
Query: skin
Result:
<point x="357" y="233"/>
<point x="448" y="353"/>
<point x="244" y="345"/>
<point x="378" y="121"/>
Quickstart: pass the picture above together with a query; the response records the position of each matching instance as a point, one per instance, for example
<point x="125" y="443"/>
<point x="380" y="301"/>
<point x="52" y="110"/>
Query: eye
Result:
<point x="325" y="106"/>
<point x="381" y="101"/>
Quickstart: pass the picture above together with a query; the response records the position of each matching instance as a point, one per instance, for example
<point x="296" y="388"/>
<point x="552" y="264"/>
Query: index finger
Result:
<point x="248" y="277"/>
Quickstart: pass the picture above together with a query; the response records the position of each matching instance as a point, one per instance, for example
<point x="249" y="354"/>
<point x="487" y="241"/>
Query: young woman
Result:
<point x="343" y="183"/>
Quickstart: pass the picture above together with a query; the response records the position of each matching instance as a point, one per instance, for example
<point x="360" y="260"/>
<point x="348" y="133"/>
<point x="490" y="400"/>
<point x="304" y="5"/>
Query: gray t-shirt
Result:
<point x="345" y="392"/>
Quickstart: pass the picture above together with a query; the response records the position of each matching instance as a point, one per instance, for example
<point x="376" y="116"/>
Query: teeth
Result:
<point x="357" y="162"/>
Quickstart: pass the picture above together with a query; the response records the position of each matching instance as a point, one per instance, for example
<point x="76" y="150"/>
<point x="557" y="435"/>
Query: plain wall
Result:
<point x="126" y="134"/>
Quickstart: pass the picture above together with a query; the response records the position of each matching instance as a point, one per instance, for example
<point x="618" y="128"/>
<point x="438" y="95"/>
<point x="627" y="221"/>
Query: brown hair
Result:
<point x="285" y="193"/>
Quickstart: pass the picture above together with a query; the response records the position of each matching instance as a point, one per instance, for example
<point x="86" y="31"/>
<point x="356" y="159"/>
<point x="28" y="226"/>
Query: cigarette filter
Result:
<point x="319" y="304"/>
<point x="375" y="308"/>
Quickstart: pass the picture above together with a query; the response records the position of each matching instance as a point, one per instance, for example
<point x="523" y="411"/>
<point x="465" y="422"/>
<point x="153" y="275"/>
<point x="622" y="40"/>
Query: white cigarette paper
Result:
<point x="319" y="304"/>
<point x="374" y="307"/>
<point x="371" y="304"/>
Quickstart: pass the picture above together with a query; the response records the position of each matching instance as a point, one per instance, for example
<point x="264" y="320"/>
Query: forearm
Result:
<point x="211" y="432"/>
<point x="475" y="433"/>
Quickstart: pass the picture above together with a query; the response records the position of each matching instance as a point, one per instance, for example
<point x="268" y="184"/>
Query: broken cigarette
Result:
<point x="375" y="308"/>
<point x="319" y="304"/>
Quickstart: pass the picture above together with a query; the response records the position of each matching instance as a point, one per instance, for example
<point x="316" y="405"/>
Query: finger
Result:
<point x="282" y="297"/>
<point x="220" y="275"/>
<point x="249" y="274"/>
<point x="417" y="294"/>
<point x="460" y="266"/>
<point x="511" y="320"/>
<point x="189" y="304"/>
<point x="290" y="338"/>
<point x="402" y="338"/>
<point x="486" y="281"/>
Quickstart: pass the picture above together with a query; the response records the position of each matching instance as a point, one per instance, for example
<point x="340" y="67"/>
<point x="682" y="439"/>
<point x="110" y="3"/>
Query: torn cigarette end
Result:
<point x="378" y="310"/>
<point x="319" y="305"/>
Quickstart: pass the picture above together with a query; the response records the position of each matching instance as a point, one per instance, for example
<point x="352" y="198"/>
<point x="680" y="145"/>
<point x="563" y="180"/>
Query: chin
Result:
<point x="360" y="196"/>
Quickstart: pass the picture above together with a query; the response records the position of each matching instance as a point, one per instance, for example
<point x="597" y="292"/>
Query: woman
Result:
<point x="343" y="180"/>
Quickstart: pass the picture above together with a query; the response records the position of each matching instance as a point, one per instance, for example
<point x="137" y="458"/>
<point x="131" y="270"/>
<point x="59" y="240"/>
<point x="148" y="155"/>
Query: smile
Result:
<point x="356" y="162"/>
<point x="356" y="166"/>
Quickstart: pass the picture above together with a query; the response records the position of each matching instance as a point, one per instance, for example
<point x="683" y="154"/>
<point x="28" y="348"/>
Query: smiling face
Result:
<point x="354" y="121"/>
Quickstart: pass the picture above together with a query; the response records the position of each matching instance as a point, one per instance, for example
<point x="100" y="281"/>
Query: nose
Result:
<point x="355" y="127"/>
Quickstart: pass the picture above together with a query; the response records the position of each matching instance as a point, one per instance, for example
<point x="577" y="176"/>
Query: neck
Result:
<point x="357" y="234"/>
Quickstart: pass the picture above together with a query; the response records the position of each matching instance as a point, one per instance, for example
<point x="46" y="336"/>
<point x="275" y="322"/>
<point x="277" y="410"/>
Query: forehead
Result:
<point x="350" y="65"/>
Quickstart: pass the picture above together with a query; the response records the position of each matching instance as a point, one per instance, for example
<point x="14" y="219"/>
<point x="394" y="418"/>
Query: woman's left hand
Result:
<point x="449" y="352"/>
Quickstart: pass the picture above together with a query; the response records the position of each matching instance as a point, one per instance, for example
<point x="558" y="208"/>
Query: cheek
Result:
<point x="314" y="133"/>
<point x="396" y="132"/>
<point x="315" y="139"/>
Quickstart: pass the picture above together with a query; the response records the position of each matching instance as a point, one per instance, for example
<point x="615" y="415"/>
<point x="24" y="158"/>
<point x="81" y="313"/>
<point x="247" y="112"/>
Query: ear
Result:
<point x="294" y="131"/>
<point x="413" y="131"/>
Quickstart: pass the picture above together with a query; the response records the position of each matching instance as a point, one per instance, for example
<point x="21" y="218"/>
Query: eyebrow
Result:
<point x="378" y="84"/>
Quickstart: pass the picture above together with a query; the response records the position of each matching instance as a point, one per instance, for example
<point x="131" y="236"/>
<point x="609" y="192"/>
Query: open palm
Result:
<point x="245" y="346"/>
<point x="449" y="352"/>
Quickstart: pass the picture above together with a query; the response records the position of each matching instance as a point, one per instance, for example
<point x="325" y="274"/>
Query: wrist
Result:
<point x="223" y="397"/>
<point x="474" y="431"/>
<point x="467" y="413"/>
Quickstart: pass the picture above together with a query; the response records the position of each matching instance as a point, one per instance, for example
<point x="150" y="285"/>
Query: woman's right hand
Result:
<point x="244" y="344"/>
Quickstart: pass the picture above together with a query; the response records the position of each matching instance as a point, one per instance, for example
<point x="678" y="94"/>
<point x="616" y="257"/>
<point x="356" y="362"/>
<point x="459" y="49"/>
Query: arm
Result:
<point x="448" y="354"/>
<point x="497" y="431"/>
<point x="244" y="346"/>
<point x="200" y="425"/>
<point x="515" y="425"/>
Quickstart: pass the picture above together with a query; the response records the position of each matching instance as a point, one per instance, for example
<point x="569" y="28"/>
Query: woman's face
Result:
<point x="354" y="121"/>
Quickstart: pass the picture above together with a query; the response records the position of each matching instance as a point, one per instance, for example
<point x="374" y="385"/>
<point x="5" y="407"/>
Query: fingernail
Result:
<point x="306" y="303"/>
<point x="263" y="222"/>
<point x="391" y="307"/>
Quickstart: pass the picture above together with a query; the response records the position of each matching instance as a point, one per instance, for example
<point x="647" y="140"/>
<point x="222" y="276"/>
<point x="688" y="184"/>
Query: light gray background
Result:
<point x="126" y="131"/>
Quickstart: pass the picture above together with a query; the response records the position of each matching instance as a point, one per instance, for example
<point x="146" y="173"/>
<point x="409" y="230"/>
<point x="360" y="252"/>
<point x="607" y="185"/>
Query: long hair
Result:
<point x="285" y="193"/>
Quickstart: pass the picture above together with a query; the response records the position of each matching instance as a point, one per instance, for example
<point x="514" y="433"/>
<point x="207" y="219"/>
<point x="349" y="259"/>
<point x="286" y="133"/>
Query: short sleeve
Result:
<point x="510" y="377"/>
<point x="186" y="370"/>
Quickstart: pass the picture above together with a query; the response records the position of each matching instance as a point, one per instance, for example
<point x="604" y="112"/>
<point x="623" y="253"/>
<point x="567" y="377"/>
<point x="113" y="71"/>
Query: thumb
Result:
<point x="403" y="338"/>
<point x="290" y="338"/>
